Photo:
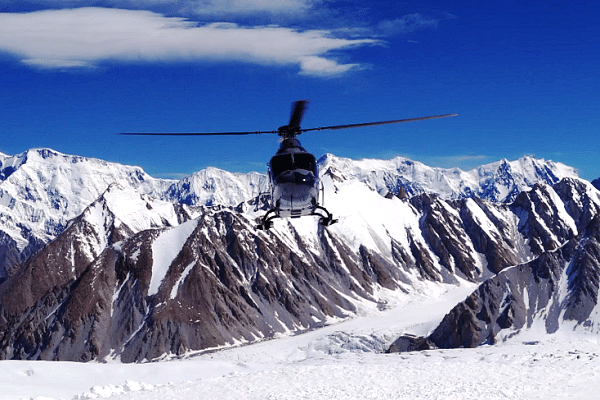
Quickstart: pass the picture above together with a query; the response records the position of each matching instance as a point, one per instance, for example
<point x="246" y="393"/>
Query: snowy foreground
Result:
<point x="340" y="361"/>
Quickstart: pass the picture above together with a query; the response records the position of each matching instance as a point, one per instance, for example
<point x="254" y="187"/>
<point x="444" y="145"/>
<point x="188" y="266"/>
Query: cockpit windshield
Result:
<point x="290" y="161"/>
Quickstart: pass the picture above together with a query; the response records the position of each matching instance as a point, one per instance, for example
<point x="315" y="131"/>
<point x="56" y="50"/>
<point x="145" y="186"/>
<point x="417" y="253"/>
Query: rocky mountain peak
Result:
<point x="213" y="186"/>
<point x="149" y="267"/>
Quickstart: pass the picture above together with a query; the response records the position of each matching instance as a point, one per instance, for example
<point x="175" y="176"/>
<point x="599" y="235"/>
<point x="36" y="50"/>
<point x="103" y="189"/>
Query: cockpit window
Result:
<point x="280" y="163"/>
<point x="304" y="161"/>
<point x="291" y="161"/>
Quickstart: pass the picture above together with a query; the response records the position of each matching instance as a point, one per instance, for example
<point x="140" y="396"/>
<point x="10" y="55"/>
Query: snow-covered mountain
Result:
<point x="41" y="189"/>
<point x="213" y="186"/>
<point x="147" y="269"/>
<point x="556" y="289"/>
<point x="500" y="181"/>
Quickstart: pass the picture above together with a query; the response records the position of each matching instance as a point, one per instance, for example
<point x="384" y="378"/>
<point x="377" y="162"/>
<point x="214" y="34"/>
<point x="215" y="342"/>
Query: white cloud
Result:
<point x="312" y="65"/>
<point x="226" y="7"/>
<point x="198" y="7"/>
<point x="86" y="37"/>
<point x="406" y="24"/>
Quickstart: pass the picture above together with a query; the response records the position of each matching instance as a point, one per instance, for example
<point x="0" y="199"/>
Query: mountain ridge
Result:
<point x="556" y="289"/>
<point x="137" y="276"/>
<point x="42" y="189"/>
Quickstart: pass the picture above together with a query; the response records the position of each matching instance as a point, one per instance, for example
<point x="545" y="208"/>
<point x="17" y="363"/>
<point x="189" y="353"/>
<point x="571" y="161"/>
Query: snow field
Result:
<point x="519" y="371"/>
<point x="340" y="361"/>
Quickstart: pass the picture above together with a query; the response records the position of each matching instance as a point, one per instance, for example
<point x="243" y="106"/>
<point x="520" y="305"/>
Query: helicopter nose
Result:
<point x="296" y="177"/>
<point x="304" y="178"/>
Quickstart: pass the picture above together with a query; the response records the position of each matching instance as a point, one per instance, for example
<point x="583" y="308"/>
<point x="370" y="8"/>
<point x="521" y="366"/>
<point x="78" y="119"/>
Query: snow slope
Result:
<point x="162" y="285"/>
<point x="499" y="181"/>
<point x="41" y="189"/>
<point x="44" y="188"/>
<point x="341" y="361"/>
<point x="165" y="249"/>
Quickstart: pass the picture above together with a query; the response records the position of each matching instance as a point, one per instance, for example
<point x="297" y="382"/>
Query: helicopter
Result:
<point x="293" y="172"/>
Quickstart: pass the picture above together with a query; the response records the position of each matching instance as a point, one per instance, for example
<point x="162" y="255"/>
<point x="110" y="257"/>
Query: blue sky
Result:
<point x="523" y="77"/>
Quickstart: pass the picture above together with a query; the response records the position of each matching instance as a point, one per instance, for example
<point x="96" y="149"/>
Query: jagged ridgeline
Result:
<point x="100" y="260"/>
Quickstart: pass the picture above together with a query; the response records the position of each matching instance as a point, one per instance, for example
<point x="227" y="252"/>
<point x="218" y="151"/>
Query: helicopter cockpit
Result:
<point x="294" y="189"/>
<point x="281" y="163"/>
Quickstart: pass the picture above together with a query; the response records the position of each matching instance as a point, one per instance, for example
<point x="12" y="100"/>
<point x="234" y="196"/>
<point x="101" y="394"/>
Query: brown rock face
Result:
<point x="98" y="290"/>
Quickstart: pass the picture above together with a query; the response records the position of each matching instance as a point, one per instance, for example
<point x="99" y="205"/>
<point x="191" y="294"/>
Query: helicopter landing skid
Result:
<point x="326" y="218"/>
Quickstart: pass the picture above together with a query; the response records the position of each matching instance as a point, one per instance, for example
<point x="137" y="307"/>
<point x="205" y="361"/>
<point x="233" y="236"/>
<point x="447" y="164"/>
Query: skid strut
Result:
<point x="326" y="218"/>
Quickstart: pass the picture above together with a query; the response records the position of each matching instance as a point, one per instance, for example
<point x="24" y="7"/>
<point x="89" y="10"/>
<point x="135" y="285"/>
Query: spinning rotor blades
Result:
<point x="297" y="112"/>
<point x="395" y="121"/>
<point x="298" y="109"/>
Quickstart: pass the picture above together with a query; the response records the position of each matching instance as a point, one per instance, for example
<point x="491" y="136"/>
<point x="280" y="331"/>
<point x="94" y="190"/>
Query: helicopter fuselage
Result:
<point x="294" y="180"/>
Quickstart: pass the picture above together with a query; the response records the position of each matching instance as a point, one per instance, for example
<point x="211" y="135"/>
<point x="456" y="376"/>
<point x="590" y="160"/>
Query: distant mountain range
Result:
<point x="99" y="260"/>
<point x="41" y="189"/>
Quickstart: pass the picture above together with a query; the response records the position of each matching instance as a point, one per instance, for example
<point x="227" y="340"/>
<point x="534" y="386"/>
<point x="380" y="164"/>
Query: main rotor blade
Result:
<point x="396" y="121"/>
<point x="299" y="108"/>
<point x="297" y="112"/>
<point x="194" y="133"/>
